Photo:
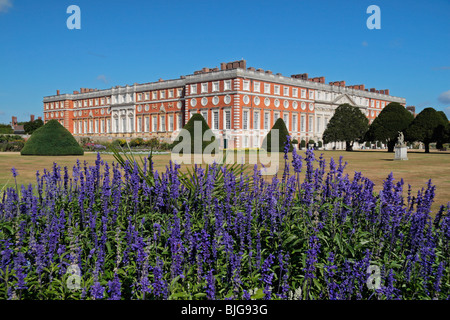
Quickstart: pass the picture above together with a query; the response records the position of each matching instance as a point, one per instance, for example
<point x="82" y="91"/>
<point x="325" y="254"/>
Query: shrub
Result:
<point x="282" y="134"/>
<point x="197" y="117"/>
<point x="302" y="144"/>
<point x="52" y="140"/>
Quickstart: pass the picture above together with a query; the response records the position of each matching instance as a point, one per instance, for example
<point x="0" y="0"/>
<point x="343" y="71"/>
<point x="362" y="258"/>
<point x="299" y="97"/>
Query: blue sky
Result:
<point x="123" y="42"/>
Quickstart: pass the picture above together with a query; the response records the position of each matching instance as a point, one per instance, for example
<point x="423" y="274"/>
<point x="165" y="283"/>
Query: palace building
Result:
<point x="240" y="105"/>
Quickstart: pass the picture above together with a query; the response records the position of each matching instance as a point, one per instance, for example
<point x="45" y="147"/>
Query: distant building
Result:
<point x="240" y="105"/>
<point x="18" y="128"/>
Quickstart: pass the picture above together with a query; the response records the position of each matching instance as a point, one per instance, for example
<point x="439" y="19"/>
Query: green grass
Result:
<point x="375" y="165"/>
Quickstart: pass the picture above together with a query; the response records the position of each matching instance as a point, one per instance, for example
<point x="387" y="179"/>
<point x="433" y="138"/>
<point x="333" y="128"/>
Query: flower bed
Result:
<point x="124" y="231"/>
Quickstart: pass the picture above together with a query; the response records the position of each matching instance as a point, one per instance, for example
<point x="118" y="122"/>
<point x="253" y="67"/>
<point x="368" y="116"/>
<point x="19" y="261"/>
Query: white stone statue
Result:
<point x="401" y="139"/>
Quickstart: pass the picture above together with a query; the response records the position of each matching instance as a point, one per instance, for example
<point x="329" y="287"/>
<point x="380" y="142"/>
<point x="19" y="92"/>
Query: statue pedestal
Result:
<point x="401" y="153"/>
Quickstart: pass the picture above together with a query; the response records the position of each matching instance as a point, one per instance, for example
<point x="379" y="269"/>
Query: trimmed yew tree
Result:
<point x="385" y="128"/>
<point x="425" y="127"/>
<point x="281" y="136"/>
<point x="189" y="126"/>
<point x="52" y="139"/>
<point x="348" y="124"/>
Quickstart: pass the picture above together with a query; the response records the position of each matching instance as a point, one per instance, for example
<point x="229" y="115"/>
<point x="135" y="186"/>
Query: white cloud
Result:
<point x="5" y="5"/>
<point x="444" y="97"/>
<point x="102" y="78"/>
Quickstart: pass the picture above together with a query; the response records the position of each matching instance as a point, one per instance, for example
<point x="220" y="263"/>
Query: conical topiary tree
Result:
<point x="190" y="125"/>
<point x="282" y="133"/>
<point x="52" y="139"/>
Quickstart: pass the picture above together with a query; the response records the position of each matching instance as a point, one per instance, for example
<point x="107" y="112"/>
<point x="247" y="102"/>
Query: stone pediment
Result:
<point x="344" y="98"/>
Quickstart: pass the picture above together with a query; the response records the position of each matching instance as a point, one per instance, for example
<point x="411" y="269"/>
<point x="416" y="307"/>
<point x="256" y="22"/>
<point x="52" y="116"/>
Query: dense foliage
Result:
<point x="52" y="139"/>
<point x="31" y="126"/>
<point x="6" y="129"/>
<point x="348" y="124"/>
<point x="425" y="127"/>
<point x="11" y="142"/>
<point x="129" y="232"/>
<point x="278" y="132"/>
<point x="386" y="126"/>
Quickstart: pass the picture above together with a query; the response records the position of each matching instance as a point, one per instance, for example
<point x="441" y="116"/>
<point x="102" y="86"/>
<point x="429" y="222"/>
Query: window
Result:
<point x="162" y="94"/>
<point x="80" y="127"/>
<point x="74" y="127"/>
<point x="245" y="120"/>
<point x="180" y="122"/>
<point x="96" y="126"/>
<point x="245" y="141"/>
<point x="256" y="86"/>
<point x="318" y="124"/>
<point x="90" y="126"/>
<point x="108" y="100"/>
<point x="303" y="94"/>
<point x="266" y="120"/>
<point x="311" y="94"/>
<point x="276" y="89"/>
<point x="85" y="103"/>
<point x="256" y="120"/>
<point x="227" y="85"/>
<point x="170" y="122"/>
<point x="276" y="115"/>
<point x="286" y="119"/>
<point x="193" y="89"/>
<point x="139" y="97"/>
<point x="286" y="91"/>
<point x="216" y="120"/>
<point x="131" y="121"/>
<point x="56" y="105"/>
<point x="91" y="103"/>
<point x="179" y="92"/>
<point x="204" y="87"/>
<point x="163" y="123"/>
<point x="102" y="126"/>
<point x="147" y="96"/>
<point x="116" y="122"/>
<point x="311" y="123"/>
<point x="155" y="123"/>
<point x="227" y="119"/>
<point x="171" y="93"/>
<point x="378" y="104"/>
<point x="147" y="124"/>
<point x="267" y="88"/>
<point x="205" y="115"/>
<point x="246" y="85"/>
<point x="139" y="124"/>
<point x="302" y="123"/>
<point x="154" y="95"/>
<point x="295" y="92"/>
<point x="294" y="123"/>
<point x="372" y="104"/>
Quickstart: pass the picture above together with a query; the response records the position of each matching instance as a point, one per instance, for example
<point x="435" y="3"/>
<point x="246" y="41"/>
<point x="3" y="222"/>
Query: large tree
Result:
<point x="348" y="124"/>
<point x="385" y="128"/>
<point x="425" y="127"/>
<point x="441" y="132"/>
<point x="31" y="126"/>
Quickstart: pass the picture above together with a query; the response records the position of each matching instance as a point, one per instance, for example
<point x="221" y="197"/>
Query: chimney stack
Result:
<point x="57" y="92"/>
<point x="32" y="117"/>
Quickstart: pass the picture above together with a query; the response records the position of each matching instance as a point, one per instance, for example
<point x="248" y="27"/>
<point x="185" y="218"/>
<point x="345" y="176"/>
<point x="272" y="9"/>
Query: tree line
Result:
<point x="350" y="125"/>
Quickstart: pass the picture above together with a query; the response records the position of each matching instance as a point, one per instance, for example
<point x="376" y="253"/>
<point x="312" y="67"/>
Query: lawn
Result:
<point x="375" y="165"/>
